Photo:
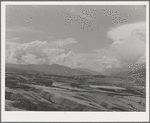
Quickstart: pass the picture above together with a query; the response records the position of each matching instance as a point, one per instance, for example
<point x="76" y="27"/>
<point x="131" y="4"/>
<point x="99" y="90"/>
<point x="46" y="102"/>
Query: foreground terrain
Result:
<point x="39" y="91"/>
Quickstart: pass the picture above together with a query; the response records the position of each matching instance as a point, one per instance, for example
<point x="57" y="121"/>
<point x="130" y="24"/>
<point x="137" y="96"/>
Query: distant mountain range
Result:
<point x="90" y="71"/>
<point x="63" y="70"/>
<point x="51" y="69"/>
<point x="106" y="72"/>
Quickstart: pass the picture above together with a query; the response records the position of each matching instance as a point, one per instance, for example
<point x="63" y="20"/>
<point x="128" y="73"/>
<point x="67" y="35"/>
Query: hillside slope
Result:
<point x="51" y="69"/>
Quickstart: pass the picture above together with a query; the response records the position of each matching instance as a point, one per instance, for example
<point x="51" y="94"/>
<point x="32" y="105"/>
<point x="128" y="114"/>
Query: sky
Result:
<point x="96" y="37"/>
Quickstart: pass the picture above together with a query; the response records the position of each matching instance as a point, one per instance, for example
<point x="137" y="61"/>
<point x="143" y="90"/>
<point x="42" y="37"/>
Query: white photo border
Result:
<point x="53" y="116"/>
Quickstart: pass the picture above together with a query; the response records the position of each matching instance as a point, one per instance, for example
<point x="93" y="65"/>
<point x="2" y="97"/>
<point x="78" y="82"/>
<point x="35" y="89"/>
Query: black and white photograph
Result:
<point x="75" y="57"/>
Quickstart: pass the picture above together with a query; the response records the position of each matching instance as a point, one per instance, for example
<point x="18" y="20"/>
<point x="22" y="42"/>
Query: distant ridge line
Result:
<point x="51" y="69"/>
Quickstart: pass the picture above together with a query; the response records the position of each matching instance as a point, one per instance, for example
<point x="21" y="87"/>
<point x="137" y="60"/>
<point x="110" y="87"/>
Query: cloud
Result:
<point x="101" y="61"/>
<point x="43" y="52"/>
<point x="141" y="60"/>
<point x="128" y="46"/>
<point x="32" y="59"/>
<point x="128" y="30"/>
<point x="61" y="43"/>
<point x="40" y="49"/>
<point x="39" y="52"/>
<point x="22" y="53"/>
<point x="93" y="61"/>
<point x="106" y="52"/>
<point x="129" y="41"/>
<point x="13" y="52"/>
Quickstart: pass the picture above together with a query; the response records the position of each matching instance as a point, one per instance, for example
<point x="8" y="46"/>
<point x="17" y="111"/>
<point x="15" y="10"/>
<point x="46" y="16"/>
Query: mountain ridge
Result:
<point x="51" y="69"/>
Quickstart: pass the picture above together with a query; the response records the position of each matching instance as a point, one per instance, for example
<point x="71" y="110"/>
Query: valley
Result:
<point x="41" y="91"/>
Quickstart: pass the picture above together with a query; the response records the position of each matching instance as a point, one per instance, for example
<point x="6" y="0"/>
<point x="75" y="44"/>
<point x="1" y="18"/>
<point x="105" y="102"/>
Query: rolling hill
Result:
<point x="90" y="71"/>
<point x="51" y="69"/>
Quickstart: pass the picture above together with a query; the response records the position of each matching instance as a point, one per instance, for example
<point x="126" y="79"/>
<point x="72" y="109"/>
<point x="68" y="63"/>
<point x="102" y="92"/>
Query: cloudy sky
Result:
<point x="95" y="37"/>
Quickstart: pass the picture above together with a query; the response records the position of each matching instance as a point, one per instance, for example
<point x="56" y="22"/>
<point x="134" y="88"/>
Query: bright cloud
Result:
<point x="33" y="52"/>
<point x="32" y="59"/>
<point x="128" y="30"/>
<point x="129" y="41"/>
<point x="128" y="46"/>
<point x="39" y="52"/>
<point x="94" y="61"/>
<point x="100" y="62"/>
<point x="141" y="60"/>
